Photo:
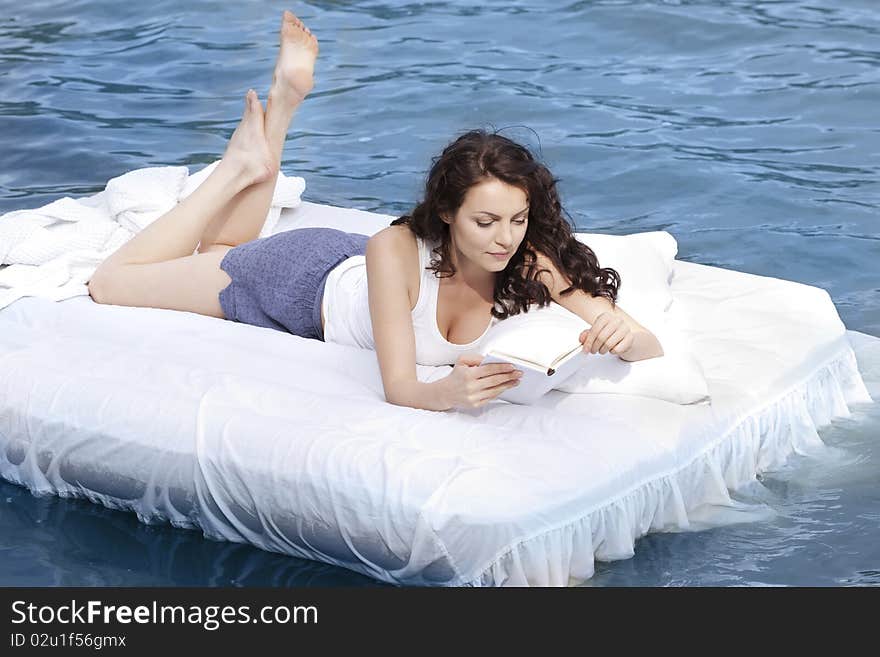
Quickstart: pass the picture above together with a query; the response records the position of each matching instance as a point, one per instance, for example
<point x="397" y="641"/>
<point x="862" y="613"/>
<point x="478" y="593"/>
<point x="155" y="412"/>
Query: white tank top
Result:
<point x="347" y="312"/>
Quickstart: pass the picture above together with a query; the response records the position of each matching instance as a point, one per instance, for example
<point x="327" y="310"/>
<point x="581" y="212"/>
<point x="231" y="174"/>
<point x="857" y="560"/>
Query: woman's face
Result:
<point x="492" y="219"/>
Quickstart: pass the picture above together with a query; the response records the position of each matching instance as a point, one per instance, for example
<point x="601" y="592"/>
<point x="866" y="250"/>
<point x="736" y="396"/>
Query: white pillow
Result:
<point x="645" y="262"/>
<point x="676" y="376"/>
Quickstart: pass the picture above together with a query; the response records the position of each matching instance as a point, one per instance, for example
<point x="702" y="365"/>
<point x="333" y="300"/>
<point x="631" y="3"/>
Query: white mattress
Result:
<point x="253" y="435"/>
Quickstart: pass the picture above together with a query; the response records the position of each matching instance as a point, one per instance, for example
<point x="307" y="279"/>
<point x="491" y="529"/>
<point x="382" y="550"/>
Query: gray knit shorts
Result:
<point x="278" y="281"/>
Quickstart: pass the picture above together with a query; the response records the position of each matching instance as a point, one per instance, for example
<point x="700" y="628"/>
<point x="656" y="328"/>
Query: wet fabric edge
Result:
<point x="671" y="501"/>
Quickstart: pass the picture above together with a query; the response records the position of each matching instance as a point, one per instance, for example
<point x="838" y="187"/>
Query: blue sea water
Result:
<point x="746" y="128"/>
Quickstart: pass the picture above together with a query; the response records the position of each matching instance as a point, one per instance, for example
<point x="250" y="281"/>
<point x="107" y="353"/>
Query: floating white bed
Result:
<point x="253" y="435"/>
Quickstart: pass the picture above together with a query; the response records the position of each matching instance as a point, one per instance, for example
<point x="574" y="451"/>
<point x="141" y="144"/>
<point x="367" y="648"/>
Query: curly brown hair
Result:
<point x="476" y="156"/>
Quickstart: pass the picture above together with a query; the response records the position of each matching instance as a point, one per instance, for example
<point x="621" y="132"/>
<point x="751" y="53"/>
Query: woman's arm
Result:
<point x="644" y="344"/>
<point x="430" y="396"/>
<point x="391" y="321"/>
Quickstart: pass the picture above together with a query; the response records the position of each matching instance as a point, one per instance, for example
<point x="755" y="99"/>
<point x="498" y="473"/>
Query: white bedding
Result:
<point x="254" y="435"/>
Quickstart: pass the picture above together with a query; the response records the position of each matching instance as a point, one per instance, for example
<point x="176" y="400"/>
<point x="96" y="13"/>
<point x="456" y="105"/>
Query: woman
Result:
<point x="490" y="215"/>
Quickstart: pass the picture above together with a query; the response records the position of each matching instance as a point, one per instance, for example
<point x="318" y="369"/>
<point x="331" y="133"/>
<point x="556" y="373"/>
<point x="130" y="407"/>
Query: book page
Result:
<point x="539" y="338"/>
<point x="535" y="383"/>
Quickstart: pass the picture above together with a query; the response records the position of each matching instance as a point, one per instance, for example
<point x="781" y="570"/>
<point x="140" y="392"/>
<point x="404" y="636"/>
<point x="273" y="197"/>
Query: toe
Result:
<point x="257" y="106"/>
<point x="254" y="108"/>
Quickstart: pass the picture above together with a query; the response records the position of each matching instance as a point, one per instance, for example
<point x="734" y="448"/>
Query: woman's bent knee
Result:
<point x="97" y="290"/>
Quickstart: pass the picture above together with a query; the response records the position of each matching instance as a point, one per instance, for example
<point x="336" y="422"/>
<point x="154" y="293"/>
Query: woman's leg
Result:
<point x="243" y="217"/>
<point x="175" y="234"/>
<point x="158" y="268"/>
<point x="192" y="284"/>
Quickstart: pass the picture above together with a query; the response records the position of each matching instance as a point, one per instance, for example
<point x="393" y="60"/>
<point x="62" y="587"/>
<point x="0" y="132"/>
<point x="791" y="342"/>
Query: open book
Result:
<point x="543" y="343"/>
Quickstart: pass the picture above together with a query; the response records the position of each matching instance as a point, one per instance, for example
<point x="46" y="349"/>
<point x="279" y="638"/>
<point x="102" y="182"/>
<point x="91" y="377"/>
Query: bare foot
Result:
<point x="248" y="152"/>
<point x="293" y="78"/>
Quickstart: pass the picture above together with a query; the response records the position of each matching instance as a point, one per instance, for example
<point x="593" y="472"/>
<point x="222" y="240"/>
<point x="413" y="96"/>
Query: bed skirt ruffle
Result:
<point x="697" y="495"/>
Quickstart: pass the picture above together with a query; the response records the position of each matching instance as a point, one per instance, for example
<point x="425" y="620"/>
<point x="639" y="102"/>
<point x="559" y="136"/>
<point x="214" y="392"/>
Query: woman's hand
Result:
<point x="609" y="332"/>
<point x="471" y="385"/>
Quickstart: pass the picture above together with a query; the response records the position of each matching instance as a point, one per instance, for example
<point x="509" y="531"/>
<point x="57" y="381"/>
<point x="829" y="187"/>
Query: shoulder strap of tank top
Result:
<point x="427" y="282"/>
